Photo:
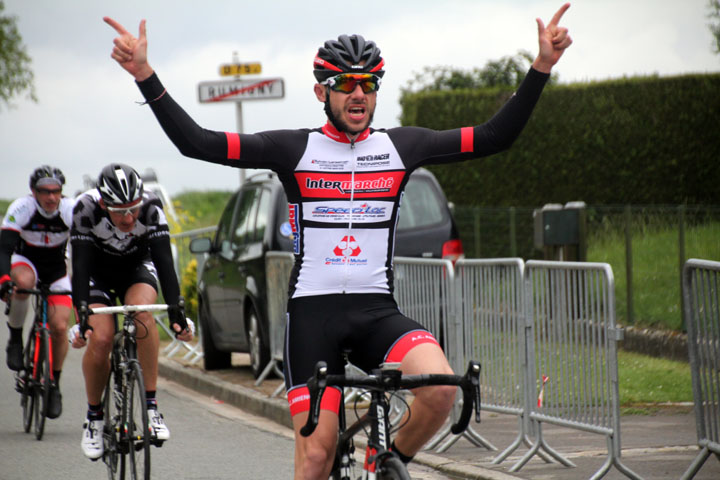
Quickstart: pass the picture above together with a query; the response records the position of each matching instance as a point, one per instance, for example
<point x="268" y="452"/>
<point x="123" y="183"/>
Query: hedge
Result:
<point x="640" y="140"/>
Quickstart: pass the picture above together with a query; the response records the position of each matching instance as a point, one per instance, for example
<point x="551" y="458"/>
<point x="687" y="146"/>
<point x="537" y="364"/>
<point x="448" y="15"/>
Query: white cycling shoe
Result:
<point x="92" y="441"/>
<point x="157" y="424"/>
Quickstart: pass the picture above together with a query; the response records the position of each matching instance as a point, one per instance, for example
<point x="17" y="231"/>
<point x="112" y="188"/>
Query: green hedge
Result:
<point x="641" y="140"/>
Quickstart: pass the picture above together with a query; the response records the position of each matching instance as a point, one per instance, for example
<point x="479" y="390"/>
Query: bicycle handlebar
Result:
<point x="159" y="307"/>
<point x="33" y="291"/>
<point x="393" y="380"/>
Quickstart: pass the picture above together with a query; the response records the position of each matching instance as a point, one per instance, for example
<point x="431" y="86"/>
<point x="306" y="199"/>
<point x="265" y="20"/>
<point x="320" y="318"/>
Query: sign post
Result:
<point x="240" y="89"/>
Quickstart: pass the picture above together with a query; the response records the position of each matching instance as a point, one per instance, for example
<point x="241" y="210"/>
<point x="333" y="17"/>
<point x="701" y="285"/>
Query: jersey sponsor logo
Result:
<point x="342" y="185"/>
<point x="330" y="164"/>
<point x="365" y="161"/>
<point x="346" y="252"/>
<point x="341" y="212"/>
<point x="294" y="228"/>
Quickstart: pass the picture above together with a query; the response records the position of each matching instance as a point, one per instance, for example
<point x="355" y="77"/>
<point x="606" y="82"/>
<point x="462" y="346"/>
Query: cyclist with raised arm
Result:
<point x="120" y="252"/>
<point x="33" y="243"/>
<point x="341" y="286"/>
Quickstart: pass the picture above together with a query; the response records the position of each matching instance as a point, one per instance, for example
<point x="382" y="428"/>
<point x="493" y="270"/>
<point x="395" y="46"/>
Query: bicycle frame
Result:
<point x="125" y="437"/>
<point x="380" y="382"/>
<point x="34" y="380"/>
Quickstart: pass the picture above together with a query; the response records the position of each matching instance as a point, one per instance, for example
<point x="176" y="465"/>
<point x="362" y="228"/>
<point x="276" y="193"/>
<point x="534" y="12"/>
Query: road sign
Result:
<point x="233" y="69"/>
<point x="240" y="90"/>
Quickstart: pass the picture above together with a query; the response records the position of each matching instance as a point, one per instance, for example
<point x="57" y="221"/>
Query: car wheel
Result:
<point x="213" y="358"/>
<point x="259" y="350"/>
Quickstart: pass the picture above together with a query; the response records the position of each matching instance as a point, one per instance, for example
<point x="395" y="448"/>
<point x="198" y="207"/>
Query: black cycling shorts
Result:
<point x="108" y="288"/>
<point x="368" y="327"/>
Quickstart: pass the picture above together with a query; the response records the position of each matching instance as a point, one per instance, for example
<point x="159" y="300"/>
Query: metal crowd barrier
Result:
<point x="278" y="266"/>
<point x="572" y="360"/>
<point x="490" y="304"/>
<point x="181" y="257"/>
<point x="701" y="301"/>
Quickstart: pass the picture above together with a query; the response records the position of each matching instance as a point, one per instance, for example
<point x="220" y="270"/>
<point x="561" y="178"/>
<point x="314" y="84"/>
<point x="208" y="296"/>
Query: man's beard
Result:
<point x="341" y="125"/>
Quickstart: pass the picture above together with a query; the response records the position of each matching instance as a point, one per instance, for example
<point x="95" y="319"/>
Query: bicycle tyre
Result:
<point x="137" y="424"/>
<point x="111" y="424"/>
<point x="392" y="468"/>
<point x="41" y="383"/>
<point x="27" y="397"/>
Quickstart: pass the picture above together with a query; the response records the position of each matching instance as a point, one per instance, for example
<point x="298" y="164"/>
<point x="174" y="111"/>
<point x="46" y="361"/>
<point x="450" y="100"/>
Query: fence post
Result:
<point x="681" y="254"/>
<point x="513" y="240"/>
<point x="629" y="265"/>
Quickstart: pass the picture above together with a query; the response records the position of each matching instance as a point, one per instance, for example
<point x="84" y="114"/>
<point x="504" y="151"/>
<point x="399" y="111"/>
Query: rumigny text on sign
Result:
<point x="240" y="90"/>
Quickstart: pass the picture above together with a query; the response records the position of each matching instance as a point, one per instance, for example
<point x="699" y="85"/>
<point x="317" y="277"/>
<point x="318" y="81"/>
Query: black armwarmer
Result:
<point x="83" y="256"/>
<point x="8" y="242"/>
<point x="161" y="255"/>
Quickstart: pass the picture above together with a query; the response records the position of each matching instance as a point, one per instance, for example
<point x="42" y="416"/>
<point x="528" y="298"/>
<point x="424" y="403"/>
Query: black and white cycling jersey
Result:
<point x="102" y="251"/>
<point x="344" y="195"/>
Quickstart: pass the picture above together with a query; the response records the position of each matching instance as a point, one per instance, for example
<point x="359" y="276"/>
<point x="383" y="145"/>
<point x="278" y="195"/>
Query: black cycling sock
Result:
<point x="15" y="335"/>
<point x="151" y="400"/>
<point x="56" y="376"/>
<point x="95" y="412"/>
<point x="405" y="459"/>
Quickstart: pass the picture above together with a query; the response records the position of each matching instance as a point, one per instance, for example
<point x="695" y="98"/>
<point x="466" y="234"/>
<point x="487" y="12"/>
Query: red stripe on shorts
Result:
<point x="299" y="400"/>
<point x="407" y="342"/>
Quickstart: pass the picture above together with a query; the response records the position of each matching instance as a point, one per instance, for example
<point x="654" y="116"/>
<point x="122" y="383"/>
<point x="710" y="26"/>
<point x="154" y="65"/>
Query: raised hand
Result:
<point x="131" y="52"/>
<point x="553" y="40"/>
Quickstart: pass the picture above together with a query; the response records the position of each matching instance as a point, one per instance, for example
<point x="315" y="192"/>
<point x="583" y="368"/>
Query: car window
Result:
<point x="421" y="205"/>
<point x="245" y="217"/>
<point x="222" y="237"/>
<point x="263" y="213"/>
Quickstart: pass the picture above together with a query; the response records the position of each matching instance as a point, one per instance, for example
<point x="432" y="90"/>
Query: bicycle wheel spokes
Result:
<point x="111" y="427"/>
<point x="41" y="382"/>
<point x="24" y="383"/>
<point x="138" y="427"/>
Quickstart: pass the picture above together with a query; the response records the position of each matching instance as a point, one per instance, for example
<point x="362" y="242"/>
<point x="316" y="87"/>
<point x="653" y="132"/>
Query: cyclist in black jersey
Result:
<point x="341" y="285"/>
<point x="33" y="242"/>
<point x="121" y="251"/>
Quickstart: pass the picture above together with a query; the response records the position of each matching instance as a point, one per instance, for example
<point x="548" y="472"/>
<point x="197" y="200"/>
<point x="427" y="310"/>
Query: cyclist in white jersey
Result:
<point x="341" y="284"/>
<point x="33" y="243"/>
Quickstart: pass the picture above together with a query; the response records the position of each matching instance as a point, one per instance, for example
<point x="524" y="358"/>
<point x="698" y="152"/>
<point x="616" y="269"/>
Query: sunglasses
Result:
<point x="47" y="191"/>
<point x="346" y="82"/>
<point x="125" y="210"/>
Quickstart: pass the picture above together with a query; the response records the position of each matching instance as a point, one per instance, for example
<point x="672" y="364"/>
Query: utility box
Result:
<point x="560" y="231"/>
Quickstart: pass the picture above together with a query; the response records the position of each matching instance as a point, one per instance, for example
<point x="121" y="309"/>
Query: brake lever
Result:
<point x="316" y="387"/>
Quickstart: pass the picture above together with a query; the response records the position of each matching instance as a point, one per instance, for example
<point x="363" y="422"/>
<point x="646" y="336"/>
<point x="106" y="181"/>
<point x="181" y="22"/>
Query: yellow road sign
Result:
<point x="233" y="69"/>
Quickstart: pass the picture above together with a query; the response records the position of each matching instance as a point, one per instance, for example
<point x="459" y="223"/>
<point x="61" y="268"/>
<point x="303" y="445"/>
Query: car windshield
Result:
<point x="421" y="205"/>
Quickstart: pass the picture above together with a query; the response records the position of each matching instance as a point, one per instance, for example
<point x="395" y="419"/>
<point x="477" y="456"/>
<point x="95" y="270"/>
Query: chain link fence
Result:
<point x="646" y="245"/>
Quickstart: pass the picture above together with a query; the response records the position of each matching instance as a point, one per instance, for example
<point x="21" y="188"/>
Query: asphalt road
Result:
<point x="210" y="440"/>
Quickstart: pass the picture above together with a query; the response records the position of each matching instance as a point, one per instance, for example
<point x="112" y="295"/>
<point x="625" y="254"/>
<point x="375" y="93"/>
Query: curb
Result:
<point x="276" y="409"/>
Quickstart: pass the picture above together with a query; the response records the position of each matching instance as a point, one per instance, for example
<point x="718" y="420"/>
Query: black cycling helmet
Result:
<point x="347" y="54"/>
<point x="119" y="184"/>
<point x="46" y="175"/>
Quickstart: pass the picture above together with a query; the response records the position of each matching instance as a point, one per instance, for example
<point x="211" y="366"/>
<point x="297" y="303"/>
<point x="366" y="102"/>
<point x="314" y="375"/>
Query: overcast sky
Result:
<point x="86" y="116"/>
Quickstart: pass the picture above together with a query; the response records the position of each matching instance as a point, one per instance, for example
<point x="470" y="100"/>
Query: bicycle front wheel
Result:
<point x="41" y="381"/>
<point x="112" y="411"/>
<point x="24" y="383"/>
<point x="137" y="424"/>
<point x="392" y="468"/>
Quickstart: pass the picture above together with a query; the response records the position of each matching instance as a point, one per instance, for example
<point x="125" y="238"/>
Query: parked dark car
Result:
<point x="232" y="303"/>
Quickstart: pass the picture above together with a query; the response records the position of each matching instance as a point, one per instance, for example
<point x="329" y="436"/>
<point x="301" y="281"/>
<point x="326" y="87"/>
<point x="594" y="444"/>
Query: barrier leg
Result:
<point x="696" y="464"/>
<point x="540" y="443"/>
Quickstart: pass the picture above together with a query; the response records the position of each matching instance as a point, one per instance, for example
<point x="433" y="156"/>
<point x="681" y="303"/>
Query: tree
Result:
<point x="508" y="71"/>
<point x="714" y="16"/>
<point x="15" y="73"/>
